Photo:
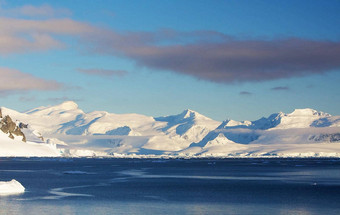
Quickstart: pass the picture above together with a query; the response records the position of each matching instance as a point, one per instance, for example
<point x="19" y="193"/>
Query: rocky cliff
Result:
<point x="9" y="127"/>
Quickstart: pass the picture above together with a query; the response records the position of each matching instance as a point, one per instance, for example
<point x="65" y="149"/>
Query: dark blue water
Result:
<point x="133" y="186"/>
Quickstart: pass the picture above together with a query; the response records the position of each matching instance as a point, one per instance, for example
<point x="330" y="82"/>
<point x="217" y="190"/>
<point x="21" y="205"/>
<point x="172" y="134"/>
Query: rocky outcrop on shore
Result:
<point x="9" y="127"/>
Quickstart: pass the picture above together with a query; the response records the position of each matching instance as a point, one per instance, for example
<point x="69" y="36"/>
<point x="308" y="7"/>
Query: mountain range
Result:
<point x="66" y="130"/>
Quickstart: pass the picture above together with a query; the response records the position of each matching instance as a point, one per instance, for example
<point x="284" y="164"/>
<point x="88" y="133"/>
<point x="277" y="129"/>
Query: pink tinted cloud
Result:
<point x="239" y="61"/>
<point x="12" y="80"/>
<point x="103" y="72"/>
<point x="222" y="59"/>
<point x="44" y="10"/>
<point x="38" y="42"/>
<point x="51" y="26"/>
<point x="245" y="93"/>
<point x="21" y="36"/>
<point x="280" y="88"/>
<point x="206" y="55"/>
<point x="62" y="99"/>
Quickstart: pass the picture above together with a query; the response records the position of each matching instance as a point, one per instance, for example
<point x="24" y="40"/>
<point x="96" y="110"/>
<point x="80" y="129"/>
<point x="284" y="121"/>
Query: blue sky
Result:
<point x="225" y="59"/>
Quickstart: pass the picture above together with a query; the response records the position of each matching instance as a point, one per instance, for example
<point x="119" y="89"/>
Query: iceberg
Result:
<point x="11" y="187"/>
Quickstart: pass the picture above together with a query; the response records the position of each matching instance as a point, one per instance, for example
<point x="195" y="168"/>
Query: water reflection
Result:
<point x="86" y="207"/>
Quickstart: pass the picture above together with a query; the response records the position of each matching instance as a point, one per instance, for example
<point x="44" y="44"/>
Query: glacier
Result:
<point x="66" y="130"/>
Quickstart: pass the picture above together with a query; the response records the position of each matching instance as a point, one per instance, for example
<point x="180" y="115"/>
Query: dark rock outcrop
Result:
<point x="9" y="127"/>
<point x="7" y="124"/>
<point x="22" y="125"/>
<point x="330" y="138"/>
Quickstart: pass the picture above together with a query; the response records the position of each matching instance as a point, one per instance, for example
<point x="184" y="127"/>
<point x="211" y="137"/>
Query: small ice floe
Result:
<point x="59" y="193"/>
<point x="11" y="187"/>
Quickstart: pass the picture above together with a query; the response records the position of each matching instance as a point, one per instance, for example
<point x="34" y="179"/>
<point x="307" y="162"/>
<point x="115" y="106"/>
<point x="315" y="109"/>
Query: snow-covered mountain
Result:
<point x="70" y="131"/>
<point x="189" y="125"/>
<point x="115" y="133"/>
<point x="19" y="139"/>
<point x="269" y="136"/>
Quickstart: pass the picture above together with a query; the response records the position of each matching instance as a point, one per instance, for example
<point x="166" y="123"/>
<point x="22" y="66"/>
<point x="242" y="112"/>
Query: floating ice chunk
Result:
<point x="11" y="187"/>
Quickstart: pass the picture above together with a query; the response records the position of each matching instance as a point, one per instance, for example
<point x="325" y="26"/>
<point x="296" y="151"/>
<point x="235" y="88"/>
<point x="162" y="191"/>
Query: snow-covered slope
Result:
<point x="69" y="131"/>
<point x="279" y="134"/>
<point x="19" y="139"/>
<point x="299" y="118"/>
<point x="188" y="125"/>
<point x="66" y="124"/>
<point x="304" y="118"/>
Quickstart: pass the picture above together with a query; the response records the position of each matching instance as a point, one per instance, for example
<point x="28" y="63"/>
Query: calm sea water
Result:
<point x="151" y="186"/>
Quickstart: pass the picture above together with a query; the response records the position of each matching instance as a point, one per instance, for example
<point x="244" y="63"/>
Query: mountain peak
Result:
<point x="68" y="105"/>
<point x="185" y="116"/>
<point x="307" y="112"/>
<point x="187" y="113"/>
<point x="229" y="123"/>
<point x="56" y="109"/>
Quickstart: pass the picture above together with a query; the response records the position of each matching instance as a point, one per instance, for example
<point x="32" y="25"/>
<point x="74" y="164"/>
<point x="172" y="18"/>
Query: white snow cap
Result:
<point x="68" y="105"/>
<point x="307" y="112"/>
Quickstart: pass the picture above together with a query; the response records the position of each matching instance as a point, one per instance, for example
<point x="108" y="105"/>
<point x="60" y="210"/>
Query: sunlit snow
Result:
<point x="11" y="187"/>
<point x="69" y="131"/>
